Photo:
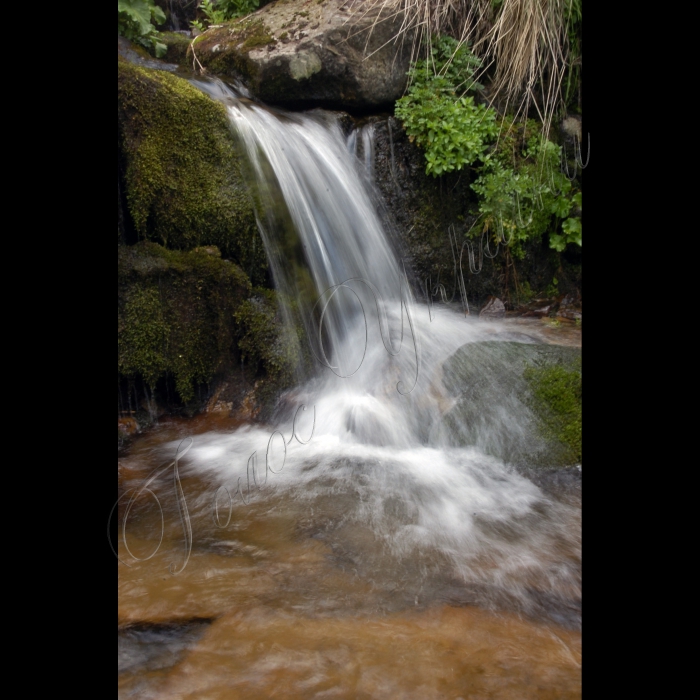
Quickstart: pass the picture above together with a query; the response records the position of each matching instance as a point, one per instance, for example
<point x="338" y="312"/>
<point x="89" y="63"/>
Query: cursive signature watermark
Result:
<point x="180" y="452"/>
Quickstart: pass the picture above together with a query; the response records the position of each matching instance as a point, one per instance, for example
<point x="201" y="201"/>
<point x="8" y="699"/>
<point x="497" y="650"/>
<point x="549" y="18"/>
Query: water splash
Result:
<point x="435" y="512"/>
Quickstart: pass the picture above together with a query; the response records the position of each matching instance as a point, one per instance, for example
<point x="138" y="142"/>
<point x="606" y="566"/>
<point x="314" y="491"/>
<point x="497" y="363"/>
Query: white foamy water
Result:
<point x="377" y="453"/>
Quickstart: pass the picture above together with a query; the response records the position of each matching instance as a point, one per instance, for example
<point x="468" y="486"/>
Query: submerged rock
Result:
<point x="519" y="402"/>
<point x="301" y="53"/>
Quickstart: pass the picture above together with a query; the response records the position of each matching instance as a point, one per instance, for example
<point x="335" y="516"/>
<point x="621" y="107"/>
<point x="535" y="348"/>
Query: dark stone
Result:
<point x="570" y="307"/>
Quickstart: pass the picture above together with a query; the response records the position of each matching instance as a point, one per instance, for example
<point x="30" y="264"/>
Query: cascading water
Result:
<point x="391" y="548"/>
<point x="445" y="518"/>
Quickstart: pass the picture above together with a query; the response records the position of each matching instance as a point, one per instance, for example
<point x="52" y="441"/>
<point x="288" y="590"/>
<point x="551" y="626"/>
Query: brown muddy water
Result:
<point x="356" y="571"/>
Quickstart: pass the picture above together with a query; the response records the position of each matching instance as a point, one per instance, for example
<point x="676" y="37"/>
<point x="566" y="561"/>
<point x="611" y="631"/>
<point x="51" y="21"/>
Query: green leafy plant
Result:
<point x="218" y="11"/>
<point x="524" y="194"/>
<point x="238" y="8"/>
<point x="532" y="48"/>
<point x="136" y="23"/>
<point x="438" y="113"/>
<point x="214" y="15"/>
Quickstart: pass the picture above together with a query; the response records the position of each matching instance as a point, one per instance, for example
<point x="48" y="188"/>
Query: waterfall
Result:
<point x="379" y="449"/>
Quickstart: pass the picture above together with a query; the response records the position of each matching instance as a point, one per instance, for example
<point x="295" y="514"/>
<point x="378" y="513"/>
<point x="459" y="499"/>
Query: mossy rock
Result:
<point x="272" y="348"/>
<point x="181" y="173"/>
<point x="176" y="315"/>
<point x="193" y="318"/>
<point x="517" y="401"/>
<point x="302" y="54"/>
<point x="177" y="46"/>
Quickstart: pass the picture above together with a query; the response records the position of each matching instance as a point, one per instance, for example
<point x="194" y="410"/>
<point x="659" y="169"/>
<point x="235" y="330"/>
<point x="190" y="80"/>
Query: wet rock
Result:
<point x="538" y="308"/>
<point x="494" y="308"/>
<point x="519" y="402"/>
<point x="429" y="654"/>
<point x="179" y="171"/>
<point x="128" y="426"/>
<point x="570" y="307"/>
<point x="298" y="53"/>
<point x="133" y="53"/>
<point x="175" y="316"/>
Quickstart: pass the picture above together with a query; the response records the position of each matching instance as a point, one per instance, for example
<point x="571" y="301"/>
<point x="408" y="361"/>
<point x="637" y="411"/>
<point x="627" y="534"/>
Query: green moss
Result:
<point x="176" y="314"/>
<point x="267" y="344"/>
<point x="520" y="402"/>
<point x="556" y="391"/>
<point x="182" y="176"/>
<point x="256" y="35"/>
<point x="177" y="46"/>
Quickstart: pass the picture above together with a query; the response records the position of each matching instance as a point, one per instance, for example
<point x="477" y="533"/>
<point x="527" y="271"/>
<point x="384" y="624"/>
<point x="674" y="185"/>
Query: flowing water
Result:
<point x="348" y="549"/>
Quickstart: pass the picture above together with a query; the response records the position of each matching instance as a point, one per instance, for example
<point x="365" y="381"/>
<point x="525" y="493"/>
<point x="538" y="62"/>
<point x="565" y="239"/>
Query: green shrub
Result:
<point x="522" y="191"/>
<point x="438" y="113"/>
<point x="218" y="11"/>
<point x="530" y="196"/>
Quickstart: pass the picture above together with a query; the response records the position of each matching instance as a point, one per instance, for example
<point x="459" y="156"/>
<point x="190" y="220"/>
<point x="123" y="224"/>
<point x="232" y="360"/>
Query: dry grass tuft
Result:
<point x="524" y="42"/>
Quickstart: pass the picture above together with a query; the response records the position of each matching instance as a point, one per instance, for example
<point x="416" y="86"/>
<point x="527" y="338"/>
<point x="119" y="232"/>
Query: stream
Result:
<point x="353" y="546"/>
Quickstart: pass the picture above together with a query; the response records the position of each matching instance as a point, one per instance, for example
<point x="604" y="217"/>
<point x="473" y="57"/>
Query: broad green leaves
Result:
<point x="139" y="13"/>
<point x="136" y="18"/>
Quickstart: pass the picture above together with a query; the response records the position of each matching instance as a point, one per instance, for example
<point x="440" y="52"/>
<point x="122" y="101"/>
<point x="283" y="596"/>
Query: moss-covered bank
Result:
<point x="190" y="320"/>
<point x="180" y="174"/>
<point x="176" y="315"/>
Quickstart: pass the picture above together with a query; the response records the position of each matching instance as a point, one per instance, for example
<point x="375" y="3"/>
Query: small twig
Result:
<point x="202" y="69"/>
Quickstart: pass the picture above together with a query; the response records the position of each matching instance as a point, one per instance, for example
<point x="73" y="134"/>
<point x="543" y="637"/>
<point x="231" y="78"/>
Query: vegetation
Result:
<point x="439" y="114"/>
<point x="176" y="314"/>
<point x="136" y="22"/>
<point x="522" y="191"/>
<point x="192" y="316"/>
<point x="218" y="11"/>
<point x="556" y="391"/>
<point x="535" y="45"/>
<point x="181" y="169"/>
<point x="523" y="194"/>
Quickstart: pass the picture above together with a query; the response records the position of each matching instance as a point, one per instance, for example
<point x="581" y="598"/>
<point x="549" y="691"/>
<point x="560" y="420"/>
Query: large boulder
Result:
<point x="180" y="179"/>
<point x="309" y="53"/>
